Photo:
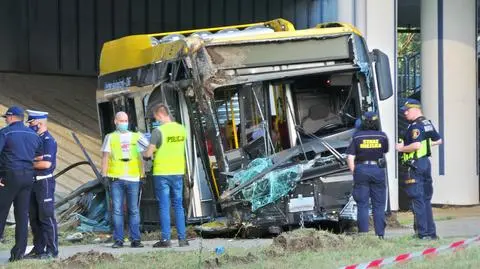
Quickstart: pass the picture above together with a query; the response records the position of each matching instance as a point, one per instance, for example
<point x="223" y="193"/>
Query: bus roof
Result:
<point x="134" y="51"/>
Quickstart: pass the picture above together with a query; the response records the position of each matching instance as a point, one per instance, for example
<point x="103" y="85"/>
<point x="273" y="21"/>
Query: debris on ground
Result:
<point x="156" y="235"/>
<point x="230" y="259"/>
<point x="84" y="260"/>
<point x="103" y="238"/>
<point x="76" y="237"/>
<point x="309" y="239"/>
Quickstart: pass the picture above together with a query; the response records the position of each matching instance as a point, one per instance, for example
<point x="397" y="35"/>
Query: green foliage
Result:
<point x="408" y="43"/>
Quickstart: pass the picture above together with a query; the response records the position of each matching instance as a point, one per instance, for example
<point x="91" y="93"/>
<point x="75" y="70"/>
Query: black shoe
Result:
<point x="183" y="243"/>
<point x="15" y="259"/>
<point x="163" y="244"/>
<point x="424" y="237"/>
<point x="33" y="255"/>
<point x="118" y="244"/>
<point x="47" y="256"/>
<point x="136" y="244"/>
<point x="435" y="237"/>
<point x="381" y="237"/>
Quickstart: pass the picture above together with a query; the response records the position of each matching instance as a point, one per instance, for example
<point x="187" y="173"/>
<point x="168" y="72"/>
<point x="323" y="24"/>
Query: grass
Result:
<point x="464" y="259"/>
<point x="352" y="250"/>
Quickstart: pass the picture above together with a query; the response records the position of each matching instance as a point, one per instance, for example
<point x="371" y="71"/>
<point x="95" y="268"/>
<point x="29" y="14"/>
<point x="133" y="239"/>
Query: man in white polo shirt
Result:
<point x="122" y="166"/>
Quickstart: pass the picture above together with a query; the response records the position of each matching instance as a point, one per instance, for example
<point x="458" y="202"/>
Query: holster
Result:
<point x="382" y="163"/>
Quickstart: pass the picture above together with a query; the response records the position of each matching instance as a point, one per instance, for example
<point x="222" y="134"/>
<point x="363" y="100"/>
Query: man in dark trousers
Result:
<point x="18" y="147"/>
<point x="42" y="201"/>
<point x="415" y="172"/>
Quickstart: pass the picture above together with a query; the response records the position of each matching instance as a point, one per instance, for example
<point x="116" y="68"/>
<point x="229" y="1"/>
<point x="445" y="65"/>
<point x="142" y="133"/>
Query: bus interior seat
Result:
<point x="319" y="115"/>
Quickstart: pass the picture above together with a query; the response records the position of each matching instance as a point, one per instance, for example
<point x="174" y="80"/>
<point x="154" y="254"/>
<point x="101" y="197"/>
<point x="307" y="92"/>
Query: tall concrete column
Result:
<point x="449" y="99"/>
<point x="376" y="20"/>
<point x="361" y="11"/>
<point x="346" y="11"/>
<point x="381" y="29"/>
<point x="353" y="12"/>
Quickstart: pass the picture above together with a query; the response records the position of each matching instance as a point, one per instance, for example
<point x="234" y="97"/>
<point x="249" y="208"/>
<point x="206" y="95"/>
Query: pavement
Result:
<point x="458" y="228"/>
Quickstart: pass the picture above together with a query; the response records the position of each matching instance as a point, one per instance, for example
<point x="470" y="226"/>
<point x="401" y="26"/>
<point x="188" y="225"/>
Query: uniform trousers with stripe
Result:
<point x="42" y="217"/>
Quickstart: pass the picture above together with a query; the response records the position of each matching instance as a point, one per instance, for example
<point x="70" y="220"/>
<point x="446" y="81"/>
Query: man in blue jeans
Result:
<point x="167" y="144"/>
<point x="122" y="165"/>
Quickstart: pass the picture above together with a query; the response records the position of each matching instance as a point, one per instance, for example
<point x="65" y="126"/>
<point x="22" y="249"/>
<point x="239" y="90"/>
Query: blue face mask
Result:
<point x="34" y="128"/>
<point x="122" y="127"/>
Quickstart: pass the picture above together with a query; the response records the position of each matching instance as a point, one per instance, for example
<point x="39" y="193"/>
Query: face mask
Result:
<point x="34" y="128"/>
<point x="122" y="127"/>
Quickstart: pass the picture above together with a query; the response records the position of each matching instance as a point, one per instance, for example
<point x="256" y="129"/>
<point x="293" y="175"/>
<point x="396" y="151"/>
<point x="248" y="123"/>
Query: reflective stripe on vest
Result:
<point x="117" y="167"/>
<point x="170" y="157"/>
<point x="423" y="151"/>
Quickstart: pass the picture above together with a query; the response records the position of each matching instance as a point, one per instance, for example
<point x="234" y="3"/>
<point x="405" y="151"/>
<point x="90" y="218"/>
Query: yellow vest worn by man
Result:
<point x="169" y="159"/>
<point x="118" y="164"/>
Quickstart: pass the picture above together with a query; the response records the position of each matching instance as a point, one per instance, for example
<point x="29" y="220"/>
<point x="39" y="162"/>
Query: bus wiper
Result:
<point x="341" y="113"/>
<point x="324" y="143"/>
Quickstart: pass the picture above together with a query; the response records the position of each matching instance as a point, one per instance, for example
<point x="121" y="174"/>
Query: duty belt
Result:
<point x="43" y="177"/>
<point x="367" y="162"/>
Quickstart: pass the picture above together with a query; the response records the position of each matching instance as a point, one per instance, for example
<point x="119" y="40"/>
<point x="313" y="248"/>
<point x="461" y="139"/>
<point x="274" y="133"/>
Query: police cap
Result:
<point x="14" y="111"/>
<point x="370" y="115"/>
<point x="410" y="103"/>
<point x="36" y="115"/>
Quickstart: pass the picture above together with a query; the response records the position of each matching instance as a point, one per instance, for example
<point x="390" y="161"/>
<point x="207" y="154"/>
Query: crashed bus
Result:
<point x="269" y="111"/>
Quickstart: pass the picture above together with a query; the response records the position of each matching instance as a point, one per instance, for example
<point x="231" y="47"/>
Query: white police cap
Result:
<point x="36" y="115"/>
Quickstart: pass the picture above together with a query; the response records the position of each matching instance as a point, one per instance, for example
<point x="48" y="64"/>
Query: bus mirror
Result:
<point x="382" y="71"/>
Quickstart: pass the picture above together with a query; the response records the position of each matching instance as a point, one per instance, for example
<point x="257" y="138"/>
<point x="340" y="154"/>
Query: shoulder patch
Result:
<point x="415" y="133"/>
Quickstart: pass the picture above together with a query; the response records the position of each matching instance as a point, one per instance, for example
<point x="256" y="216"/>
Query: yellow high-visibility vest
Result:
<point x="424" y="150"/>
<point x="118" y="165"/>
<point x="170" y="157"/>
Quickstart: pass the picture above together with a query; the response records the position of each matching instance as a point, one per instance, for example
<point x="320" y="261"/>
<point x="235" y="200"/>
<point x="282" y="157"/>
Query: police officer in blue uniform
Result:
<point x="42" y="201"/>
<point x="366" y="161"/>
<point x="415" y="170"/>
<point x="18" y="147"/>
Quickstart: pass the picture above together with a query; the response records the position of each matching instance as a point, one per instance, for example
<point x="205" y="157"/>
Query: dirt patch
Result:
<point x="229" y="259"/>
<point x="156" y="235"/>
<point x="392" y="221"/>
<point x="84" y="260"/>
<point x="309" y="239"/>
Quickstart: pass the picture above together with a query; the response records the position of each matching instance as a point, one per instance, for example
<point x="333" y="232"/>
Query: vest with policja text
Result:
<point x="170" y="157"/>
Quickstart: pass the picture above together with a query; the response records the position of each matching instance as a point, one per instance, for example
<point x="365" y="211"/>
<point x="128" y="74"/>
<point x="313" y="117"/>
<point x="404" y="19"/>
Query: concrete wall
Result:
<point x="72" y="107"/>
<point x="449" y="74"/>
<point x="380" y="33"/>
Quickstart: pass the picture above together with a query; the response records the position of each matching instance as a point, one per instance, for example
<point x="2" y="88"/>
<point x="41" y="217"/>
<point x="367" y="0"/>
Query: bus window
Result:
<point x="106" y="114"/>
<point x="228" y="116"/>
<point x="325" y="104"/>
